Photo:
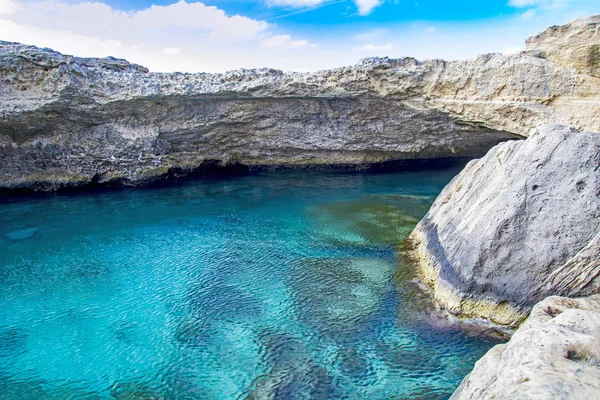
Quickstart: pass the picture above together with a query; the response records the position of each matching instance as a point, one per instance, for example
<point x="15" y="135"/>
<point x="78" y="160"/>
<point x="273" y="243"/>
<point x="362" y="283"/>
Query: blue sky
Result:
<point x="300" y="35"/>
<point x="343" y="12"/>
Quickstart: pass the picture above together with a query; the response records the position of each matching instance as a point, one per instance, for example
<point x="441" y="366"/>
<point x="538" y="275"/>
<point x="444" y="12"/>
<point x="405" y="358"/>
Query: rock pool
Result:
<point x="279" y="285"/>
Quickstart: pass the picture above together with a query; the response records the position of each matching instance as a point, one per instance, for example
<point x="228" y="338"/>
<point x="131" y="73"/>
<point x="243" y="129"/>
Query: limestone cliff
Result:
<point x="71" y="121"/>
<point x="575" y="45"/>
<point x="515" y="226"/>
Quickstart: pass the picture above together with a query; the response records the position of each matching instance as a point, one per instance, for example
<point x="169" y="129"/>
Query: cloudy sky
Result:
<point x="297" y="35"/>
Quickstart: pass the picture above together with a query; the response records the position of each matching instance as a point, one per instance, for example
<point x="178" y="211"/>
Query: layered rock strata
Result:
<point x="554" y="355"/>
<point x="575" y="45"/>
<point x="516" y="226"/>
<point x="71" y="121"/>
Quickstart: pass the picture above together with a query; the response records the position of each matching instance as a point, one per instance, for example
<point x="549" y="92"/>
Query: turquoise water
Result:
<point x="269" y="286"/>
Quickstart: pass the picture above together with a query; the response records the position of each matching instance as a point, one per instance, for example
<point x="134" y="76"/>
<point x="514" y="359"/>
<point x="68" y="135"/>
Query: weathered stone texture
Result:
<point x="515" y="226"/>
<point x="554" y="355"/>
<point x="68" y="121"/>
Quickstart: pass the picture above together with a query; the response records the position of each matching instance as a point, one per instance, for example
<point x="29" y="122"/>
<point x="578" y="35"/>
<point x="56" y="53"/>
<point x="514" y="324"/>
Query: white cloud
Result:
<point x="283" y="41"/>
<point x="366" y="6"/>
<point x="79" y="45"/>
<point x="375" y="47"/>
<point x="99" y="19"/>
<point x="296" y="3"/>
<point x="512" y="50"/>
<point x="210" y="40"/>
<point x="171" y="51"/>
<point x="538" y="3"/>
<point x="527" y="15"/>
<point x="429" y="30"/>
<point x="183" y="36"/>
<point x="8" y="7"/>
<point x="197" y="15"/>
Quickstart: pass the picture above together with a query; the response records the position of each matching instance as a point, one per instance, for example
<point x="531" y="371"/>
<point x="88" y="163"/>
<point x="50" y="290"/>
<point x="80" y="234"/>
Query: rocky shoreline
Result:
<point x="553" y="355"/>
<point x="68" y="121"/>
<point x="512" y="232"/>
<point x="515" y="228"/>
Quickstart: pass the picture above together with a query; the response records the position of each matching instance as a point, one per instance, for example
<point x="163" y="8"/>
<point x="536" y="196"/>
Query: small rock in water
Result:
<point x="22" y="233"/>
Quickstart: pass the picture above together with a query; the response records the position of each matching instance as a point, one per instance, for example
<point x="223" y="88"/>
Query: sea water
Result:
<point x="279" y="285"/>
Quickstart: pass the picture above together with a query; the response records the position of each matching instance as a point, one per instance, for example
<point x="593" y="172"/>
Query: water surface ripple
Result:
<point x="270" y="286"/>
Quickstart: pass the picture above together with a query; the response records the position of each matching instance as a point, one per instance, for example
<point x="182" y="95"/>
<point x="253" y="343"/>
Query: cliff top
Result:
<point x="574" y="45"/>
<point x="557" y="43"/>
<point x="560" y="62"/>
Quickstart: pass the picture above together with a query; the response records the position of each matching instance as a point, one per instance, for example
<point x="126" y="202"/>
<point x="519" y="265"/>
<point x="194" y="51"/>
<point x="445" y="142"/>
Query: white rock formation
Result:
<point x="554" y="355"/>
<point x="71" y="121"/>
<point x="516" y="226"/>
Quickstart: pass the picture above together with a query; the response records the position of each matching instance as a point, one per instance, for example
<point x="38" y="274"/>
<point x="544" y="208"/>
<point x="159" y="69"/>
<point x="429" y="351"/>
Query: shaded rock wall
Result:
<point x="69" y="121"/>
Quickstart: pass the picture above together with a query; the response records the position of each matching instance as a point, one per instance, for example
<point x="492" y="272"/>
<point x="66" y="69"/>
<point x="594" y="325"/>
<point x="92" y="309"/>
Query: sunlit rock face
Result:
<point x="520" y="224"/>
<point x="68" y="121"/>
<point x="554" y="355"/>
<point x="575" y="45"/>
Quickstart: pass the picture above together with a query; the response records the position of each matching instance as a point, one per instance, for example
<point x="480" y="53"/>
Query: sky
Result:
<point x="293" y="35"/>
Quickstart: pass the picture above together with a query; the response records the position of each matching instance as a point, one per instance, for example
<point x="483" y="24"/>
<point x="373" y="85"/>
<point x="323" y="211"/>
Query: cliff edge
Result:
<point x="68" y="121"/>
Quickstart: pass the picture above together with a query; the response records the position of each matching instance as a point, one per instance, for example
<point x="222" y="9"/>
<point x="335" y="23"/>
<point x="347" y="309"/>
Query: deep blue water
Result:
<point x="270" y="286"/>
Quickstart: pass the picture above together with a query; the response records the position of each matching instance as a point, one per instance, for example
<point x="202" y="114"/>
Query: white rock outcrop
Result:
<point x="516" y="226"/>
<point x="554" y="355"/>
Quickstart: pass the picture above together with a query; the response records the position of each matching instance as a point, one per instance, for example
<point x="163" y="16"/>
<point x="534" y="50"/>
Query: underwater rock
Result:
<point x="20" y="234"/>
<point x="292" y="374"/>
<point x="133" y="390"/>
<point x="13" y="342"/>
<point x="516" y="226"/>
<point x="371" y="221"/>
<point x="335" y="295"/>
<point x="554" y="355"/>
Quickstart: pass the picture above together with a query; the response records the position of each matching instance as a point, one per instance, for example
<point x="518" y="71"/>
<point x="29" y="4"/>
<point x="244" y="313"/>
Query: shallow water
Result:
<point x="270" y="286"/>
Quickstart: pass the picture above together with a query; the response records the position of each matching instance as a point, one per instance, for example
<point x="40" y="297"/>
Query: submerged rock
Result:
<point x="516" y="226"/>
<point x="554" y="355"/>
<point x="373" y="220"/>
<point x="292" y="374"/>
<point x="68" y="121"/>
<point x="21" y="234"/>
<point x="336" y="295"/>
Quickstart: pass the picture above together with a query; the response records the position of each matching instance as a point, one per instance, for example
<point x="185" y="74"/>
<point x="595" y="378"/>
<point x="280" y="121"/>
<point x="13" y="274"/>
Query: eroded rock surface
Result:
<point x="554" y="355"/>
<point x="68" y="121"/>
<point x="575" y="45"/>
<point x="516" y="226"/>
